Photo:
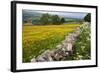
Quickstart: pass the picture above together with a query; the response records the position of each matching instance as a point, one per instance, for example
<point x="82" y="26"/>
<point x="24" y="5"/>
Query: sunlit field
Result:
<point x="37" y="39"/>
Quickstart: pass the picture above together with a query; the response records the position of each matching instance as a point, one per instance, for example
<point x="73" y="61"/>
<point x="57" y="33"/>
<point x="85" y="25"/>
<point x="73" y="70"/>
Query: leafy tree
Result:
<point x="88" y="17"/>
<point x="45" y="19"/>
<point x="62" y="20"/>
<point x="55" y="20"/>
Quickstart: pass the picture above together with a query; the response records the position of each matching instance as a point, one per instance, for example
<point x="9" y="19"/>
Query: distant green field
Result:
<point x="37" y="39"/>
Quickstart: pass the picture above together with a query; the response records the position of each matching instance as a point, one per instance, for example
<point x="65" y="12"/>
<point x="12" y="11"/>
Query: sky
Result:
<point x="79" y="15"/>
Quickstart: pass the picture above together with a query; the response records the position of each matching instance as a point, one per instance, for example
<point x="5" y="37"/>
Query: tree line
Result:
<point x="48" y="19"/>
<point x="51" y="19"/>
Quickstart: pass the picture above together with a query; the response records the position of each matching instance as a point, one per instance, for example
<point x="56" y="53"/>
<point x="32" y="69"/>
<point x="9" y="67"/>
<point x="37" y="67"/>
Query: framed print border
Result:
<point x="14" y="34"/>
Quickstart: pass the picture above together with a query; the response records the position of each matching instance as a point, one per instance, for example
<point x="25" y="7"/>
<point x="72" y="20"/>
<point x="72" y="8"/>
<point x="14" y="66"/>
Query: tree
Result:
<point x="88" y="17"/>
<point x="62" y="20"/>
<point x="55" y="20"/>
<point x="45" y="19"/>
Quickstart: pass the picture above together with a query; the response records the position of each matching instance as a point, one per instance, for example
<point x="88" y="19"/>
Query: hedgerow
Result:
<point x="83" y="44"/>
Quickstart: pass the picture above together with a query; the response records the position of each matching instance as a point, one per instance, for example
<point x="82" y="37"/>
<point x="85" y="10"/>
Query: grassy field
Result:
<point x="37" y="39"/>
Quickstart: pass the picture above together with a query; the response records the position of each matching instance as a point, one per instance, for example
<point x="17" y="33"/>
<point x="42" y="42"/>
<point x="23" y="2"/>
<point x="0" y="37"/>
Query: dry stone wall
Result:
<point x="62" y="50"/>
